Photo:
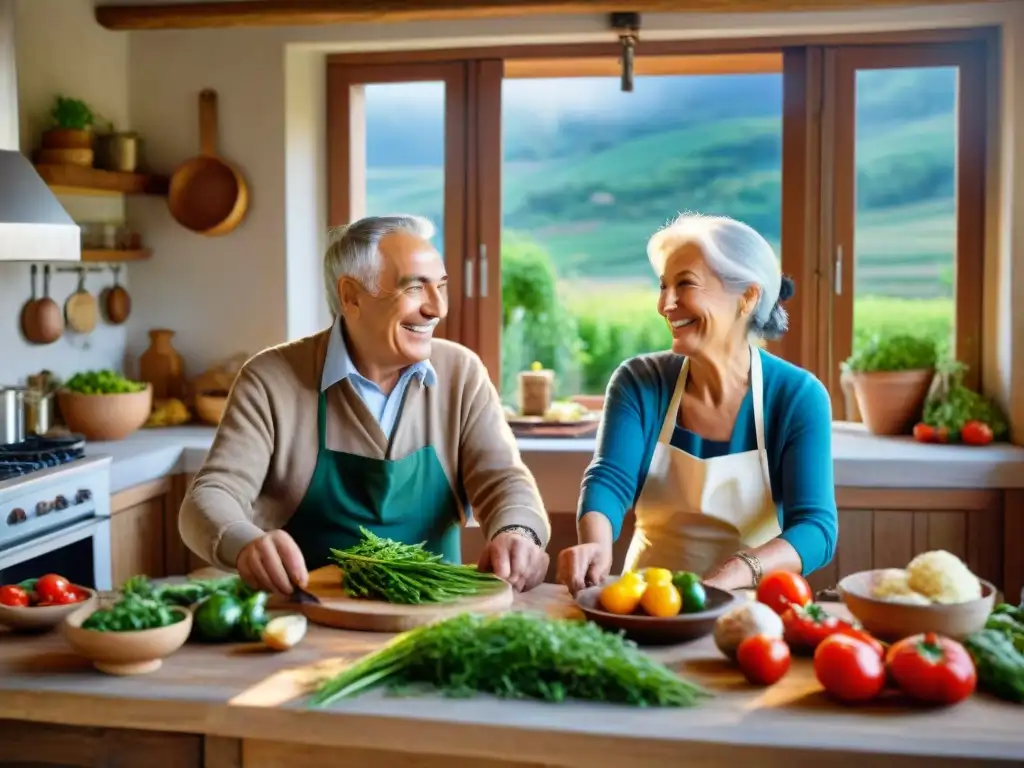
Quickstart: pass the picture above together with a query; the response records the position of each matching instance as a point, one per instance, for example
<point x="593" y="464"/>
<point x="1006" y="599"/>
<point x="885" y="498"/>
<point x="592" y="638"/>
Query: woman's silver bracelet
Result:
<point x="756" y="569"/>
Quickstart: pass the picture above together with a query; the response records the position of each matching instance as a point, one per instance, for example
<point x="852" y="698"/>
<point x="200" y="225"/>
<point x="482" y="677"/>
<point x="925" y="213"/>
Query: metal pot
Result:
<point x="12" y="415"/>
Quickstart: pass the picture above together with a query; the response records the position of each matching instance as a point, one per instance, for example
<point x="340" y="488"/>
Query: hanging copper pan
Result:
<point x="208" y="194"/>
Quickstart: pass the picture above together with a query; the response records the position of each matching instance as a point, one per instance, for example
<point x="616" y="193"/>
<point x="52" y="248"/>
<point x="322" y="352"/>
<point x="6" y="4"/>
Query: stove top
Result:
<point x="36" y="453"/>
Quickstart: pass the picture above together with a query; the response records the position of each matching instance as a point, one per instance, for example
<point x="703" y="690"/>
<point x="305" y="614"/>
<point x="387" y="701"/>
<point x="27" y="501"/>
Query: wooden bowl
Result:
<point x="42" y="618"/>
<point x="210" y="406"/>
<point x="106" y="417"/>
<point x="126" y="653"/>
<point x="650" y="630"/>
<point x="893" y="621"/>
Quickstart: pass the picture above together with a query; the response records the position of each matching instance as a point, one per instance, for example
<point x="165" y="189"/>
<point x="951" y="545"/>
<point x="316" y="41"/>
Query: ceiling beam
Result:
<point x="280" y="13"/>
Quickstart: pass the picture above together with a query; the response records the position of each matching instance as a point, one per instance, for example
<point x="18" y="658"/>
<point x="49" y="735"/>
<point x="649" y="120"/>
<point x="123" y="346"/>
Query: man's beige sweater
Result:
<point x="265" y="449"/>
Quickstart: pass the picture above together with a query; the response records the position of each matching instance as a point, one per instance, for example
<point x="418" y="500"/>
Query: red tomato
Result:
<point x="807" y="626"/>
<point x="51" y="589"/>
<point x="849" y="669"/>
<point x="780" y="589"/>
<point x="859" y="634"/>
<point x="13" y="595"/>
<point x="763" y="659"/>
<point x="924" y="433"/>
<point x="75" y="594"/>
<point x="976" y="433"/>
<point x="932" y="668"/>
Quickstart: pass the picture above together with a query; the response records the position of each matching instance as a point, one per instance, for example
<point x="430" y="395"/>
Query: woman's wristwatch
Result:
<point x="756" y="569"/>
<point x="520" y="530"/>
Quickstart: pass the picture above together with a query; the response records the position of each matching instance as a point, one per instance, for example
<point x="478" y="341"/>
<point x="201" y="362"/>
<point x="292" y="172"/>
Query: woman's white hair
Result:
<point x="738" y="255"/>
<point x="352" y="251"/>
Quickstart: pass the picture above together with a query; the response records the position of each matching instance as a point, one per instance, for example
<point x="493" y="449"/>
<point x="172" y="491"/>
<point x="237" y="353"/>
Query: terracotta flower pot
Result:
<point x="890" y="402"/>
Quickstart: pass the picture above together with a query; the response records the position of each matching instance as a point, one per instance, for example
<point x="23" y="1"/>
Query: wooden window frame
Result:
<point x="811" y="135"/>
<point x="346" y="159"/>
<point x="841" y="67"/>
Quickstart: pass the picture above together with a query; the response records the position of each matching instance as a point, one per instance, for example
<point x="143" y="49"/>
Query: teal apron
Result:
<point x="409" y="500"/>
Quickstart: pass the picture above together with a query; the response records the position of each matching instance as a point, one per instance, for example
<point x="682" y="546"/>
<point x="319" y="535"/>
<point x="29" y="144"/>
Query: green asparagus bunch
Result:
<point x="382" y="569"/>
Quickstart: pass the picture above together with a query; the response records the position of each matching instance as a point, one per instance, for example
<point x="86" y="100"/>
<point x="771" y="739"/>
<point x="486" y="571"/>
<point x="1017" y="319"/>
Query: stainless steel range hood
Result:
<point x="33" y="224"/>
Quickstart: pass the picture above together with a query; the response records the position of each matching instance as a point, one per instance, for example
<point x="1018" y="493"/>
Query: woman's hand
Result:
<point x="584" y="565"/>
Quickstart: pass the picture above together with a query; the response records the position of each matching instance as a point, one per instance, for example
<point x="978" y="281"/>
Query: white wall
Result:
<point x="60" y="49"/>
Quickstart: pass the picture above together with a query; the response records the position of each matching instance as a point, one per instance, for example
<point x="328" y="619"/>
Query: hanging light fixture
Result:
<point x="627" y="25"/>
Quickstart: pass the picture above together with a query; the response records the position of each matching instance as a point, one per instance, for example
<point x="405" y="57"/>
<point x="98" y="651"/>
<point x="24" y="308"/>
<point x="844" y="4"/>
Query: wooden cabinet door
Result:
<point x="138" y="522"/>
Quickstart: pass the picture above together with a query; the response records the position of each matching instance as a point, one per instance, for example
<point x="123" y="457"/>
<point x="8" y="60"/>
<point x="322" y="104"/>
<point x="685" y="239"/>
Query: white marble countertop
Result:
<point x="861" y="460"/>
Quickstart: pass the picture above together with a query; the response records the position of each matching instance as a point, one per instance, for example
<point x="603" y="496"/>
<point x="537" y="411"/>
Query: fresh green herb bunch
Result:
<point x="103" y="382"/>
<point x="71" y="114"/>
<point x="132" y="613"/>
<point x="894" y="352"/>
<point x="382" y="569"/>
<point x="950" y="404"/>
<point x="188" y="592"/>
<point x="516" y="656"/>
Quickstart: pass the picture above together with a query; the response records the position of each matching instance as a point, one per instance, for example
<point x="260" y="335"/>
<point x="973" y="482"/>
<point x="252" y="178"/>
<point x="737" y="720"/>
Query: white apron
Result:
<point x="693" y="514"/>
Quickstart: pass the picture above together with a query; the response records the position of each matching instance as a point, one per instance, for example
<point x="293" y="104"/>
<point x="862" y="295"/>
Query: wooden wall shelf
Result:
<point x="79" y="180"/>
<point x="113" y="256"/>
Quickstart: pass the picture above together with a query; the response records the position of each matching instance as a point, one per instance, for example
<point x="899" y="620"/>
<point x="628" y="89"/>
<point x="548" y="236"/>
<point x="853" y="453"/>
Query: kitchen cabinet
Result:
<point x="144" y="530"/>
<point x="44" y="745"/>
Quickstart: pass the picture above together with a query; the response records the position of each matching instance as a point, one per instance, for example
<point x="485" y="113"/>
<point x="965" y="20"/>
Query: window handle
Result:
<point x="483" y="271"/>
<point x="838" y="277"/>
<point x="467" y="288"/>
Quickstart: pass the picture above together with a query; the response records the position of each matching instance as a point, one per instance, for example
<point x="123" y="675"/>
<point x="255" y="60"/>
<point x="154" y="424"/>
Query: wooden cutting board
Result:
<point x="338" y="610"/>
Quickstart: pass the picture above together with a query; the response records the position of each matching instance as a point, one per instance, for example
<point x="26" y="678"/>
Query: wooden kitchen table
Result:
<point x="240" y="706"/>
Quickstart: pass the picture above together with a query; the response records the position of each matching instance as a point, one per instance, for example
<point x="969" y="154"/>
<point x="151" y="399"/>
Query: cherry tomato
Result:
<point x="13" y="595"/>
<point x="51" y="589"/>
<point x="662" y="600"/>
<point x="763" y="659"/>
<point x="932" y="668"/>
<point x="76" y="594"/>
<point x="976" y="433"/>
<point x="849" y="669"/>
<point x="924" y="433"/>
<point x="780" y="589"/>
<point x="623" y="596"/>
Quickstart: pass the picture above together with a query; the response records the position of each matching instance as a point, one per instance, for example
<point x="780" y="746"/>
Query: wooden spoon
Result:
<point x="48" y="317"/>
<point x="81" y="308"/>
<point x="117" y="303"/>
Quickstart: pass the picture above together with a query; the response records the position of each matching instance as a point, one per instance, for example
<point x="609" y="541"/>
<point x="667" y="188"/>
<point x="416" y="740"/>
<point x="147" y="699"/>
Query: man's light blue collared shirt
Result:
<point x="384" y="407"/>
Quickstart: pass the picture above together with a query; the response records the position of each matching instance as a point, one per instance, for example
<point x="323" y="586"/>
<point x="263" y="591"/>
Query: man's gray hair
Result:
<point x="738" y="255"/>
<point x="352" y="251"/>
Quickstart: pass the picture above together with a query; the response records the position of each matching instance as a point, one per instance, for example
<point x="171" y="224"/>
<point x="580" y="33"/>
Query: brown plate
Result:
<point x="650" y="630"/>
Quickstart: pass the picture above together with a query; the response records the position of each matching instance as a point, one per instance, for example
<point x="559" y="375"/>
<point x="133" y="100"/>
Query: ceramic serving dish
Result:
<point x="893" y="621"/>
<point x="650" y="630"/>
<point x="41" y="618"/>
<point x="126" y="653"/>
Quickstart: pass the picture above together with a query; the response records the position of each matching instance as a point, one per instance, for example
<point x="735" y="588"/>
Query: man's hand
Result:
<point x="272" y="563"/>
<point x="515" y="559"/>
<point x="584" y="565"/>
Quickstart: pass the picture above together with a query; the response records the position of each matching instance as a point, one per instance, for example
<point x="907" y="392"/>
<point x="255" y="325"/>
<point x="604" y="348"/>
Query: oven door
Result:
<point x="79" y="552"/>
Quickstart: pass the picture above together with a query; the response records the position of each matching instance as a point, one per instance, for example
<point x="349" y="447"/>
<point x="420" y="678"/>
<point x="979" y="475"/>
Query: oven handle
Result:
<point x="52" y="541"/>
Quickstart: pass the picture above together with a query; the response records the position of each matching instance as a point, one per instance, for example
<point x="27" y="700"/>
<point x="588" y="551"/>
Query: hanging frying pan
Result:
<point x="207" y="194"/>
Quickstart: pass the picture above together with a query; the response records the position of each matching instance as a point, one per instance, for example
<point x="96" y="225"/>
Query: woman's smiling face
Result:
<point x="701" y="313"/>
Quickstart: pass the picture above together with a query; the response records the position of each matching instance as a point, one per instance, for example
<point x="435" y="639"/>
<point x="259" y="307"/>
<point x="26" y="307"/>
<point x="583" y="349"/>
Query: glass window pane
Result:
<point x="589" y="173"/>
<point x="405" y="130"/>
<point x="905" y="222"/>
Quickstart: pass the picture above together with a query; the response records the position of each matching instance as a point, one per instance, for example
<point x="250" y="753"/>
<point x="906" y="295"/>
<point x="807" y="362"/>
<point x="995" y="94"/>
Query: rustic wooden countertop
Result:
<point x="245" y="692"/>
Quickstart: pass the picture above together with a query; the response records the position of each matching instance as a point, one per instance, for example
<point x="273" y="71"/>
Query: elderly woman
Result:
<point x="722" y="450"/>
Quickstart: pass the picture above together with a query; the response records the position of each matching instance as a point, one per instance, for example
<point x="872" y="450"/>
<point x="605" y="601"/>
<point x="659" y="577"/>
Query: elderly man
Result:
<point x="371" y="423"/>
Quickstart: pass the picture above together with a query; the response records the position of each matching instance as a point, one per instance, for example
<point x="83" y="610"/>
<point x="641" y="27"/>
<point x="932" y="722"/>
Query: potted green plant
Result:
<point x="891" y="375"/>
<point x="69" y="138"/>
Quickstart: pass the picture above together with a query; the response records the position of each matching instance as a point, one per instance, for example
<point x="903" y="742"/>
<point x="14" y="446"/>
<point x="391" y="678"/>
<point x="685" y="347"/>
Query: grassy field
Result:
<point x="616" y="321"/>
